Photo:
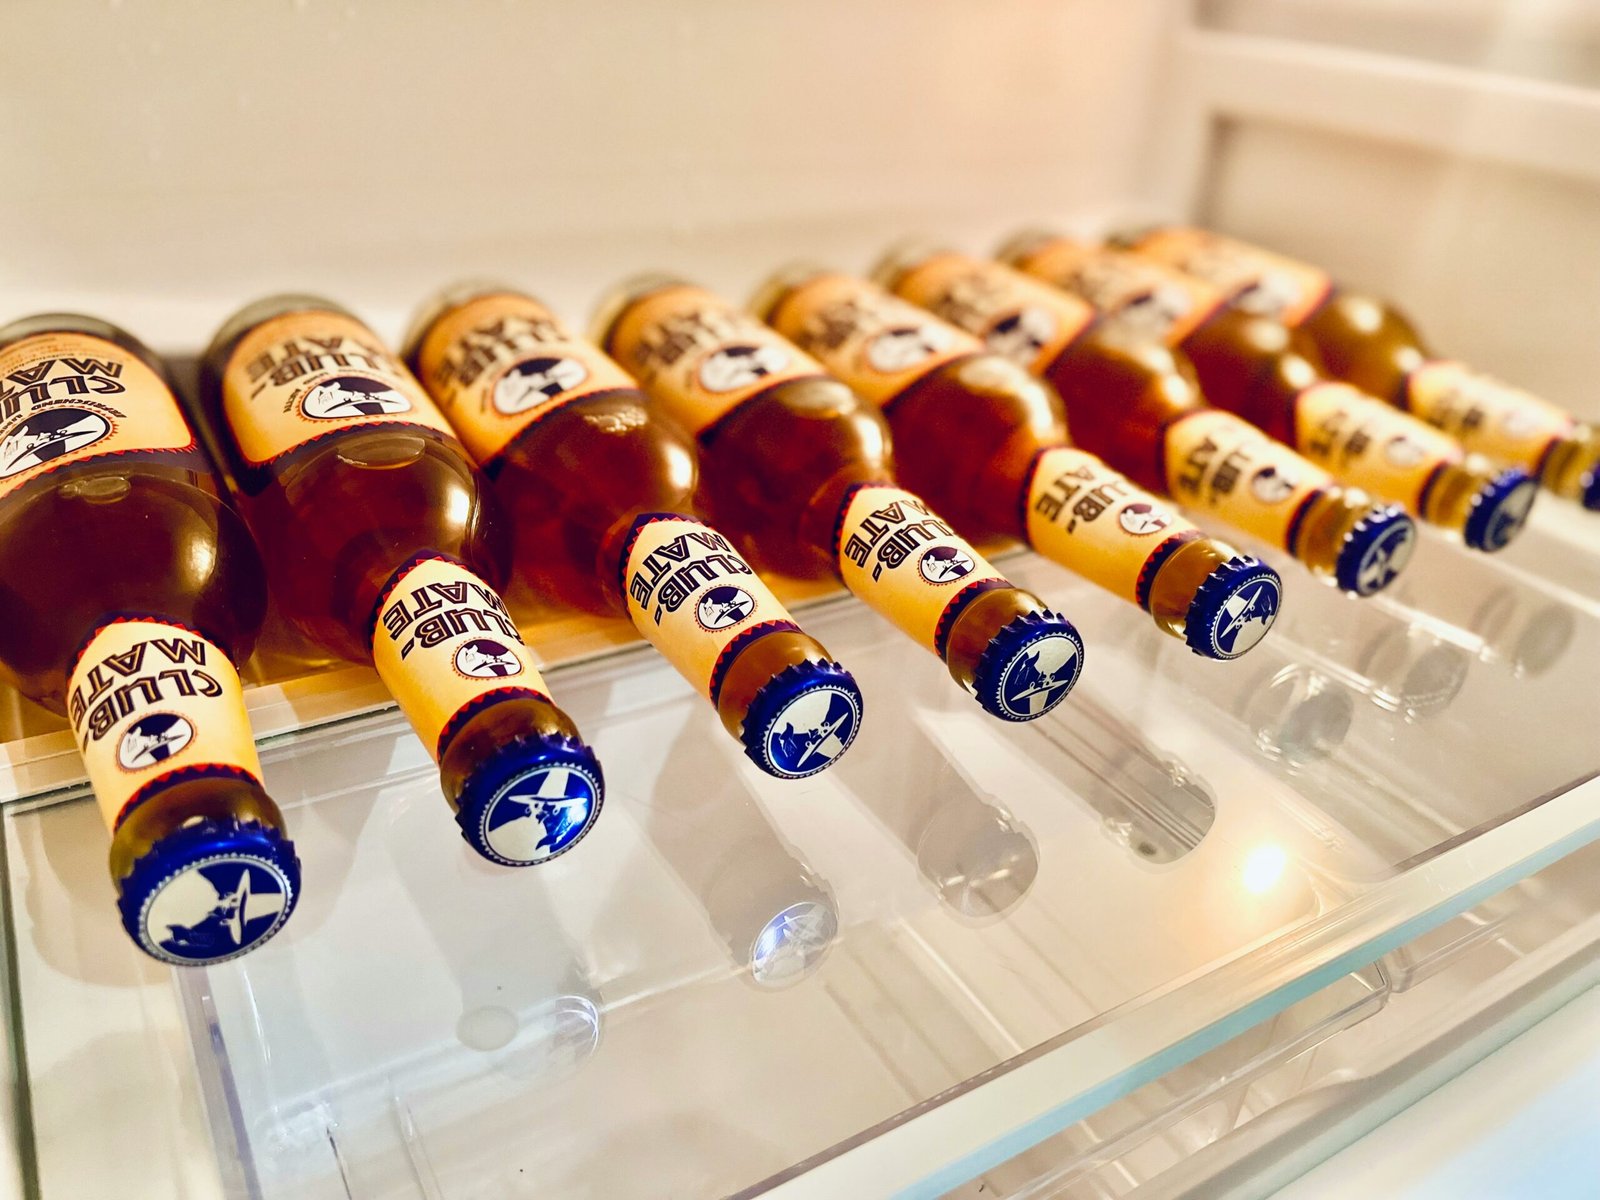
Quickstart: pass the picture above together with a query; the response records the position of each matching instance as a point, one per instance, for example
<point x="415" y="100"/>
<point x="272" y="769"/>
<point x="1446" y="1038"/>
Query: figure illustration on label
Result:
<point x="986" y="444"/>
<point x="132" y="588"/>
<point x="820" y="458"/>
<point x="404" y="566"/>
<point x="599" y="491"/>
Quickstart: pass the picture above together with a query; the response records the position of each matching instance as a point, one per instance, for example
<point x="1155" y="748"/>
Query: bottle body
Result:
<point x="382" y="550"/>
<point x="1373" y="346"/>
<point x="598" y="487"/>
<point x="1137" y="405"/>
<point x="131" y="592"/>
<point x="799" y="471"/>
<point x="985" y="442"/>
<point x="1259" y="369"/>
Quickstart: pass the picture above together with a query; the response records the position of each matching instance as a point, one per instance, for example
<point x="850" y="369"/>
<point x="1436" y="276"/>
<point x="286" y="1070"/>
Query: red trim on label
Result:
<point x="731" y="651"/>
<point x="1291" y="537"/>
<point x="475" y="706"/>
<point x="1157" y="560"/>
<point x="854" y="490"/>
<point x="640" y="523"/>
<point x="957" y="606"/>
<point x="130" y="618"/>
<point x="398" y="576"/>
<point x="179" y="775"/>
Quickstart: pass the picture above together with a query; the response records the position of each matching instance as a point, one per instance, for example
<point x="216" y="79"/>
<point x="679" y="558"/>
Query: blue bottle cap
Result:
<point x="1499" y="512"/>
<point x="802" y="719"/>
<point x="532" y="800"/>
<point x="1029" y="666"/>
<point x="1591" y="490"/>
<point x="210" y="891"/>
<point x="1375" y="551"/>
<point x="792" y="944"/>
<point x="1233" y="609"/>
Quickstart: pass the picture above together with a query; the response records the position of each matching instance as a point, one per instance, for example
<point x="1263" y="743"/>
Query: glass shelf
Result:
<point x="885" y="979"/>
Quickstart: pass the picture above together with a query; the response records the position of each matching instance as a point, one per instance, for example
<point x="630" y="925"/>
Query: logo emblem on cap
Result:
<point x="1038" y="678"/>
<point x="216" y="908"/>
<point x="1386" y="557"/>
<point x="541" y="813"/>
<point x="812" y="730"/>
<point x="1246" y="616"/>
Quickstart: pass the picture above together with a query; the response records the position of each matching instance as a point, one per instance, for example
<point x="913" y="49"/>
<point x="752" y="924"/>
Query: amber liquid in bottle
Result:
<point x="381" y="549"/>
<point x="1137" y="404"/>
<point x="985" y="442"/>
<point x="800" y="470"/>
<point x="598" y="487"/>
<point x="130" y="590"/>
<point x="1256" y="367"/>
<point x="1371" y="344"/>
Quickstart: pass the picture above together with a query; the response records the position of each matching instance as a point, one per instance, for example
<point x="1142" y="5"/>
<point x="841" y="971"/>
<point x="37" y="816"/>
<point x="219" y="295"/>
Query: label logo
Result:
<point x="811" y="731"/>
<point x="1403" y="452"/>
<point x="1271" y="485"/>
<point x="791" y="945"/>
<point x="153" y="738"/>
<point x="47" y="435"/>
<point x="1386" y="558"/>
<point x="485" y="658"/>
<point x="945" y="564"/>
<point x="1039" y="678"/>
<point x="1246" y="616"/>
<point x="905" y="346"/>
<point x="217" y="909"/>
<point x="346" y="396"/>
<point x="1023" y="334"/>
<point x="540" y="814"/>
<point x="734" y="367"/>
<point x="534" y="381"/>
<point x="723" y="607"/>
<point x="1140" y="518"/>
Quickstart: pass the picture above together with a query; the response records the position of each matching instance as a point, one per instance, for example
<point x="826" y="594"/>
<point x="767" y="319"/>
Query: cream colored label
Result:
<point x="700" y="356"/>
<point x="65" y="397"/>
<point x="149" y="699"/>
<point x="1363" y="441"/>
<point x="1021" y="318"/>
<point x="1255" y="280"/>
<point x="906" y="562"/>
<point x="693" y="596"/>
<point x="1486" y="416"/>
<point x="1139" y="295"/>
<point x="1217" y="462"/>
<point x="497" y="364"/>
<point x="1096" y="523"/>
<point x="876" y="342"/>
<point x="443" y="643"/>
<point x="305" y="375"/>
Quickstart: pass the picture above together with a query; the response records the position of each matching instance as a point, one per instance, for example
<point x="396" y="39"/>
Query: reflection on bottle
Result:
<point x="978" y="858"/>
<point x="1411" y="671"/>
<point x="525" y="996"/>
<point x="773" y="915"/>
<point x="1149" y="801"/>
<point x="1511" y="625"/>
<point x="1295" y="714"/>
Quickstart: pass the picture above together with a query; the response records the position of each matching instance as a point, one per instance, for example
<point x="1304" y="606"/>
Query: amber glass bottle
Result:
<point x="371" y="519"/>
<point x="1137" y="404"/>
<point x="1371" y="344"/>
<point x="985" y="442"/>
<point x="598" y="486"/>
<point x="800" y="471"/>
<point x="131" y="590"/>
<point x="1256" y="367"/>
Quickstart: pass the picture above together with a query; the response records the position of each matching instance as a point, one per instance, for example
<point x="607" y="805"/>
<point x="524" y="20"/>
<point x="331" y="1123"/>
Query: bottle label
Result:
<point x="1486" y="416"/>
<point x="1094" y="522"/>
<point x="499" y="363"/>
<point x="876" y="342"/>
<point x="1139" y="295"/>
<point x="153" y="703"/>
<point x="1254" y="280"/>
<point x="1219" y="463"/>
<point x="694" y="598"/>
<point x="67" y="397"/>
<point x="700" y="356"/>
<point x="304" y="376"/>
<point x="1029" y="322"/>
<point x="907" y="563"/>
<point x="1363" y="441"/>
<point x="445" y="647"/>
